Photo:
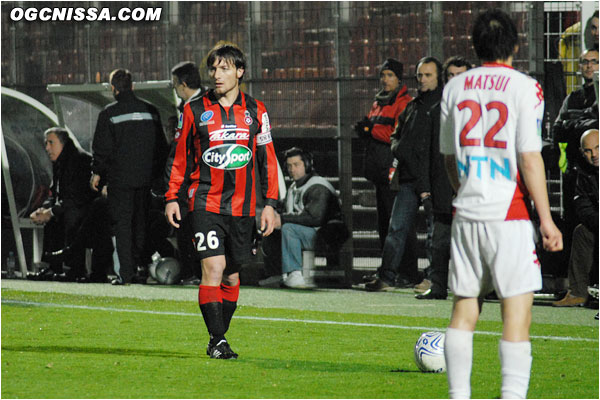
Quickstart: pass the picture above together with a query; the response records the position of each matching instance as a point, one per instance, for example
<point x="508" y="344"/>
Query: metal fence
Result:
<point x="314" y="64"/>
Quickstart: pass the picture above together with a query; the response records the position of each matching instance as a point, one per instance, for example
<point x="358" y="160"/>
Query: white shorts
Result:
<point x="496" y="255"/>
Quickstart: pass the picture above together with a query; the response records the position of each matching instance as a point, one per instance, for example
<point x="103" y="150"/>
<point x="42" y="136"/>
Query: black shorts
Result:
<point x="217" y="235"/>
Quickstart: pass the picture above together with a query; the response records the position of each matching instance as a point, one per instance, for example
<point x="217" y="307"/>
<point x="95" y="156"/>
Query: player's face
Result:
<point x="225" y="76"/>
<point x="389" y="80"/>
<point x="590" y="149"/>
<point x="427" y="77"/>
<point x="589" y="64"/>
<point x="53" y="146"/>
<point x="453" y="71"/>
<point x="295" y="167"/>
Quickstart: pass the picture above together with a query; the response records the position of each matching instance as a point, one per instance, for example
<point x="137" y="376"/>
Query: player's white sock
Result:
<point x="515" y="358"/>
<point x="458" y="351"/>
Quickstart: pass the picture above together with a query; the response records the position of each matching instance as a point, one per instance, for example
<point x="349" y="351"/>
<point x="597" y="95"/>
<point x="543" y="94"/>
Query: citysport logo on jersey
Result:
<point x="227" y="156"/>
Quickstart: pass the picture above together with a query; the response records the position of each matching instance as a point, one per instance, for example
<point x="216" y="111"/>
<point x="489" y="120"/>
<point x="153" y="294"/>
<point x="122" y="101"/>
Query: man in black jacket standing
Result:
<point x="440" y="201"/>
<point x="410" y="146"/>
<point x="129" y="152"/>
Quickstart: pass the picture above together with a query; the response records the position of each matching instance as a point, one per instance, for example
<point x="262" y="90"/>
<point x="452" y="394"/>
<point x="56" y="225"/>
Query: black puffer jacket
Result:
<point x="441" y="189"/>
<point x="70" y="186"/>
<point x="410" y="142"/>
<point x="129" y="146"/>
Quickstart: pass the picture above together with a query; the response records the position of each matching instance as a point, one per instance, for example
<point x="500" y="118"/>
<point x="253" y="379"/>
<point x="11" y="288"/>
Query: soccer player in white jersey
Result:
<point x="491" y="137"/>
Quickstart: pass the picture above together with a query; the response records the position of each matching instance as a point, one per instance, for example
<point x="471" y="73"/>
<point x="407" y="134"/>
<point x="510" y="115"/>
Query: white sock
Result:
<point x="515" y="359"/>
<point x="458" y="351"/>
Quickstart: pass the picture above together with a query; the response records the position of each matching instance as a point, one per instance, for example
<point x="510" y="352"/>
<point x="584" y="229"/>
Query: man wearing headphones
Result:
<point x="410" y="146"/>
<point x="310" y="203"/>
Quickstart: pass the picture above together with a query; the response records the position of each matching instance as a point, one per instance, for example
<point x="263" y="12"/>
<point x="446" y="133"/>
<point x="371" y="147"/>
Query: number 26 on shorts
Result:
<point x="212" y="241"/>
<point x="476" y="111"/>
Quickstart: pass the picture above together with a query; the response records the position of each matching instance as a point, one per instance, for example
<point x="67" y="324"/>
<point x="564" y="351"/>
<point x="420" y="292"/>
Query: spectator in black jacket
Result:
<point x="65" y="212"/>
<point x="440" y="201"/>
<point x="410" y="146"/>
<point x="584" y="250"/>
<point x="309" y="204"/>
<point x="188" y="86"/>
<point x="579" y="112"/>
<point x="129" y="152"/>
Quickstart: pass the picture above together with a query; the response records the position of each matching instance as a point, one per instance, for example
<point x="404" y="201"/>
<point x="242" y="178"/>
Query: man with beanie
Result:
<point x="376" y="128"/>
<point x="410" y="147"/>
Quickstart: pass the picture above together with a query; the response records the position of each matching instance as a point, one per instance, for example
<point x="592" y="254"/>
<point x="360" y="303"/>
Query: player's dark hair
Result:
<point x="61" y="133"/>
<point x="456" y="61"/>
<point x="438" y="67"/>
<point x="305" y="156"/>
<point x="187" y="72"/>
<point x="494" y="36"/>
<point x="121" y="80"/>
<point x="228" y="52"/>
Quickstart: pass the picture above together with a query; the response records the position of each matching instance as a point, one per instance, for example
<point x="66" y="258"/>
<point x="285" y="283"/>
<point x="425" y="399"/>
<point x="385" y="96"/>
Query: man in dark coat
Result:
<point x="129" y="153"/>
<point x="65" y="214"/>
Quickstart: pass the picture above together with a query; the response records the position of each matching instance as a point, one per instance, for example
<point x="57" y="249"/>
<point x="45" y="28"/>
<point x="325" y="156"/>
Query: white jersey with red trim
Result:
<point x="489" y="115"/>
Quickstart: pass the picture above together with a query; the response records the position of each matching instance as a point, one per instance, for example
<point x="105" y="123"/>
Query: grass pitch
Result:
<point x="139" y="342"/>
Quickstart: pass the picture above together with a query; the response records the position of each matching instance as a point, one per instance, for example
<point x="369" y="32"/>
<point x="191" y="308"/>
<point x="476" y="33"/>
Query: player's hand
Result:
<point x="94" y="181"/>
<point x="267" y="221"/>
<point x="172" y="210"/>
<point x="551" y="237"/>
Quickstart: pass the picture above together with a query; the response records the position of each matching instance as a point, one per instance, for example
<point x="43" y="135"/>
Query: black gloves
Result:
<point x="363" y="128"/>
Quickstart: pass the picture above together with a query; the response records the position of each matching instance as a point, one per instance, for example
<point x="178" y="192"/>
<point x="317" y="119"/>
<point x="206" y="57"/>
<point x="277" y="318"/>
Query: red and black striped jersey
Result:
<point x="225" y="146"/>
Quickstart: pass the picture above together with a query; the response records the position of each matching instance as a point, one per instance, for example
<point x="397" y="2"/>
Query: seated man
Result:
<point x="584" y="250"/>
<point x="310" y="203"/>
<point x="70" y="215"/>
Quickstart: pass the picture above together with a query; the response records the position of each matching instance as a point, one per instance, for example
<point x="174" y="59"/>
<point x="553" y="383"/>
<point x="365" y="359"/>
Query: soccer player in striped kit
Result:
<point x="490" y="134"/>
<point x="228" y="135"/>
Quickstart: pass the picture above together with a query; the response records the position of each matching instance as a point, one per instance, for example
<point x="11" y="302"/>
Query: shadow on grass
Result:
<point x="320" y="366"/>
<point x="97" y="350"/>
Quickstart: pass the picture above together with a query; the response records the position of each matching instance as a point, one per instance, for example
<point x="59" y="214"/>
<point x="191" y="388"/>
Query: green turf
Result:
<point x="105" y="352"/>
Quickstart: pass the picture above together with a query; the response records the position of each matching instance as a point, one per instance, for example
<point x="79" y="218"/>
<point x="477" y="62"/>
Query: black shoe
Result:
<point x="369" y="277"/>
<point x="191" y="281"/>
<point x="378" y="286"/>
<point x="222" y="351"/>
<point x="403" y="283"/>
<point x="45" y="274"/>
<point x="431" y="295"/>
<point x="118" y="282"/>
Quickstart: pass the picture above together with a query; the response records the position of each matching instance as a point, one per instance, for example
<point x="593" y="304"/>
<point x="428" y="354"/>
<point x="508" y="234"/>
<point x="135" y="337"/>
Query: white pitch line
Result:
<point x="304" y="321"/>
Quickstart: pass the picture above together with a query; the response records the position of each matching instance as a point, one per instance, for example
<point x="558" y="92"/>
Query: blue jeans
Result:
<point x="294" y="239"/>
<point x="402" y="221"/>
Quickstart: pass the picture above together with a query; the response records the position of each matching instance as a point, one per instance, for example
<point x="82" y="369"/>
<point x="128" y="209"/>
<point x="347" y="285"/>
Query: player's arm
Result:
<point x="267" y="164"/>
<point x="102" y="150"/>
<point x="531" y="166"/>
<point x="452" y="171"/>
<point x="176" y="167"/>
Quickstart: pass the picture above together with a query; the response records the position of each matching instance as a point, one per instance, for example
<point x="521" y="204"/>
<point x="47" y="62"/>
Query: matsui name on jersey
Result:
<point x="487" y="82"/>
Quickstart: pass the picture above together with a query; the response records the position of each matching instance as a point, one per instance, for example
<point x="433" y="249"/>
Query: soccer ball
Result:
<point x="429" y="352"/>
<point x="168" y="271"/>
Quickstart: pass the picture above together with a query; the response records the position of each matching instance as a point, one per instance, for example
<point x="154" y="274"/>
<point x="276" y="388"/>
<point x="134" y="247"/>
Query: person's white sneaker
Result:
<point x="295" y="280"/>
<point x="272" y="281"/>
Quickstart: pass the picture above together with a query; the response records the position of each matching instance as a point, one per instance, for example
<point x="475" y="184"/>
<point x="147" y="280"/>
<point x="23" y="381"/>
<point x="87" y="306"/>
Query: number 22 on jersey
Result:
<point x="476" y="112"/>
